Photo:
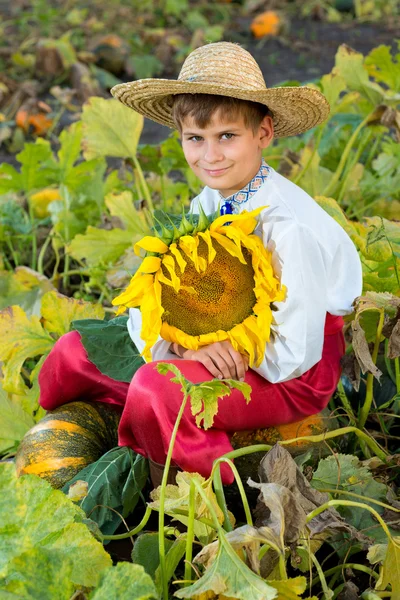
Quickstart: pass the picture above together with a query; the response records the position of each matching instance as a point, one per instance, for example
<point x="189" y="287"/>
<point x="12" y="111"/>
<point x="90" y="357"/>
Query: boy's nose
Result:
<point x="213" y="153"/>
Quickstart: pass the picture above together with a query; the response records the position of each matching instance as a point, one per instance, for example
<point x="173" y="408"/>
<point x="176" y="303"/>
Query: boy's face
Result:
<point x="225" y="155"/>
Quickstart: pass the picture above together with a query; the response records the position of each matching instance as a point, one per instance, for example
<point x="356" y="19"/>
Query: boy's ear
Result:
<point x="266" y="132"/>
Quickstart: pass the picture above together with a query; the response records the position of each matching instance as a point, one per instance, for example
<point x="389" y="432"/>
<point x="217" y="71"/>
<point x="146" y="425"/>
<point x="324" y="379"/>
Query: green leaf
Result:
<point x="122" y="206"/>
<point x="68" y="154"/>
<point x="146" y="552"/>
<point x="382" y="67"/>
<point x="22" y="337"/>
<point x="36" y="574"/>
<point x="204" y="398"/>
<point x="349" y="64"/>
<point x="101" y="246"/>
<point x="125" y="581"/>
<point x="35" y="174"/>
<point x="41" y="529"/>
<point x="14" y="422"/>
<point x="172" y="559"/>
<point x="10" y="179"/>
<point x="346" y="472"/>
<point x="145" y="66"/>
<point x="58" y="312"/>
<point x="115" y="482"/>
<point x="110" y="129"/>
<point x="390" y="573"/>
<point x="229" y="576"/>
<point x="177" y="498"/>
<point x="104" y="340"/>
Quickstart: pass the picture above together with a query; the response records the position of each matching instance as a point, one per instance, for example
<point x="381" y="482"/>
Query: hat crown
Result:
<point x="223" y="64"/>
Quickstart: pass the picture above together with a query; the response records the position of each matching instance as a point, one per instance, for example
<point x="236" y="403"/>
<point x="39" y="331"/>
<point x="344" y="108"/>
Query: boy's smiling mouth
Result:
<point x="215" y="172"/>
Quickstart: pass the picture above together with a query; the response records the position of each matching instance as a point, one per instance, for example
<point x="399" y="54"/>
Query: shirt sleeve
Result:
<point x="298" y="333"/>
<point x="160" y="350"/>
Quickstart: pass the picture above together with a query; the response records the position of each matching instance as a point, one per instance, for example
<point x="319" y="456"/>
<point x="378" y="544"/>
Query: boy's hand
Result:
<point x="221" y="359"/>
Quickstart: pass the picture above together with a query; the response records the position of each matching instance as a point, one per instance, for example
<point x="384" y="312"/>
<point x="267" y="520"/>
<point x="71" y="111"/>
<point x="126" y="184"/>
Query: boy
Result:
<point x="226" y="117"/>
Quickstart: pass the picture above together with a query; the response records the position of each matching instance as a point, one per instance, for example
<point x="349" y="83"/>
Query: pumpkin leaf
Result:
<point x="177" y="498"/>
<point x="14" y="422"/>
<point x="346" y="472"/>
<point x="383" y="68"/>
<point x="115" y="482"/>
<point x="204" y="398"/>
<point x="42" y="531"/>
<point x="349" y="64"/>
<point x="146" y="551"/>
<point x="58" y="312"/>
<point x="390" y="572"/>
<point x="35" y="173"/>
<point x="172" y="560"/>
<point x="101" y="246"/>
<point x="110" y="129"/>
<point x="70" y="149"/>
<point x="229" y="576"/>
<point x="289" y="589"/>
<point x="125" y="581"/>
<point x="104" y="340"/>
<point x="122" y="206"/>
<point x="22" y="337"/>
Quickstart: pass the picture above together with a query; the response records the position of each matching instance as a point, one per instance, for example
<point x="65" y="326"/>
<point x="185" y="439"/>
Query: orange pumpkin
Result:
<point x="267" y="23"/>
<point x="39" y="122"/>
<point x="312" y="425"/>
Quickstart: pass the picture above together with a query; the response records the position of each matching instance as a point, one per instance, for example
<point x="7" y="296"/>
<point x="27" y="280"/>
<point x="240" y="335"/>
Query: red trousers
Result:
<point x="150" y="403"/>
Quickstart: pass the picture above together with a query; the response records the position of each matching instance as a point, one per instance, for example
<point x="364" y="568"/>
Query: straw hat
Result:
<point x="225" y="69"/>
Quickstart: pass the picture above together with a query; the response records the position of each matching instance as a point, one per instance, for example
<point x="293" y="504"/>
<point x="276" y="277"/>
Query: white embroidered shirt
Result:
<point x="313" y="256"/>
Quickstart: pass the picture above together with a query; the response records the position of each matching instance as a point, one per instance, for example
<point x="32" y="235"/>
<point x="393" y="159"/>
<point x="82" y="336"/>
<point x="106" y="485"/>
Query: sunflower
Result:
<point x="204" y="283"/>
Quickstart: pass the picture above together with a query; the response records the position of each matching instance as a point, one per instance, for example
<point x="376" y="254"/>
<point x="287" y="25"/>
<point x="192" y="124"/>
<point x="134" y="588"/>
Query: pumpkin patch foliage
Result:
<point x="314" y="511"/>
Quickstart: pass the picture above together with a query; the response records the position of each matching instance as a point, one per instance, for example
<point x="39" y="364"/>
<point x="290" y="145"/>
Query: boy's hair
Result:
<point x="202" y="107"/>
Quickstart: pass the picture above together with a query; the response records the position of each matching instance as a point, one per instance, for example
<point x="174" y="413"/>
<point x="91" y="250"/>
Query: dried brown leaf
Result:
<point x="361" y="350"/>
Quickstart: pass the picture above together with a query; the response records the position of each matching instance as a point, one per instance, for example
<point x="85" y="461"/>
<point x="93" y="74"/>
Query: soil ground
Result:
<point x="307" y="52"/>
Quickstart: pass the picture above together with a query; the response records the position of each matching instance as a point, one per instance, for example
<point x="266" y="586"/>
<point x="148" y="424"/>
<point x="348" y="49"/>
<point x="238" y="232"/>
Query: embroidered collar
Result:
<point x="231" y="204"/>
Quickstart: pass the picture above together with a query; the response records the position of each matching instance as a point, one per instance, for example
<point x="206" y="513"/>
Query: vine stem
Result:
<point x="190" y="534"/>
<point x="239" y="483"/>
<point x="355" y="566"/>
<point x="143" y="183"/>
<point x="42" y="254"/>
<point x="354" y="495"/>
<point x="331" y="503"/>
<point x="161" y="514"/>
<point x="321" y="575"/>
<point x="364" y="412"/>
<point x="397" y="371"/>
<point x="132" y="532"/>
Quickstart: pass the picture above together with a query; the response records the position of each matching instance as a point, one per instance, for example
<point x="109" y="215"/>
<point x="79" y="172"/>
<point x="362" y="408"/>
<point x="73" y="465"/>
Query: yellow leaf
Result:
<point x="22" y="337"/>
<point x="390" y="573"/>
<point x="289" y="589"/>
<point x="58" y="312"/>
<point x="110" y="129"/>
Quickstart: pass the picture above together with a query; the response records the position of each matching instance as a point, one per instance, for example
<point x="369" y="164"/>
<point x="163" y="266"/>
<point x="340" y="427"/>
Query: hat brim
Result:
<point x="295" y="109"/>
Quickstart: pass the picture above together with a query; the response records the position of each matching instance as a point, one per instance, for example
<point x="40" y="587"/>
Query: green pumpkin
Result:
<point x="66" y="440"/>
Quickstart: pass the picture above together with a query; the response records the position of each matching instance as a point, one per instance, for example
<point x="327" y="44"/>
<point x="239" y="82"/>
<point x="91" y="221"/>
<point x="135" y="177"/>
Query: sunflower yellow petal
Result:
<point x="150" y="244"/>
<point x="135" y="292"/>
<point x="188" y="244"/>
<point x="169" y="264"/>
<point x="150" y="264"/>
<point x="229" y="246"/>
<point x="178" y="256"/>
<point x="208" y="240"/>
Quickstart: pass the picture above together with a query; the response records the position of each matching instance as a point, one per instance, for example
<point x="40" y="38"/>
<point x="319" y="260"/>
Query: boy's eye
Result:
<point x="195" y="138"/>
<point x="228" y="136"/>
